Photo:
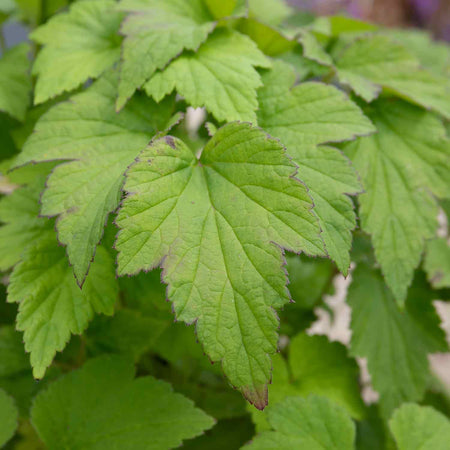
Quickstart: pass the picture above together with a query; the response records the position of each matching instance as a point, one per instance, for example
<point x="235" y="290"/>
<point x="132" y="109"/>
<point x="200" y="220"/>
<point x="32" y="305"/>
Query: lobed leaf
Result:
<point x="102" y="406"/>
<point x="78" y="45"/>
<point x="51" y="305"/>
<point x="374" y="62"/>
<point x="99" y="144"/>
<point x="400" y="167"/>
<point x="221" y="76"/>
<point x="211" y="224"/>
<point x="314" y="423"/>
<point x="303" y="117"/>
<point x="157" y="31"/>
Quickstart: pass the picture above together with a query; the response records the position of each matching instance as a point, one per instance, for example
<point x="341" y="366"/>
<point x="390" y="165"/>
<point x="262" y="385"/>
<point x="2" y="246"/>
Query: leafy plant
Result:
<point x="322" y="147"/>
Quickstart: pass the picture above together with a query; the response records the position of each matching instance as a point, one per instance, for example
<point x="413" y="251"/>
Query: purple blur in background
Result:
<point x="430" y="14"/>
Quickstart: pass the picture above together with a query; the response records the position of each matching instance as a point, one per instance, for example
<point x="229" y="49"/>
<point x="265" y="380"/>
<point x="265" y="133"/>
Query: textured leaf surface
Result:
<point x="375" y="62"/>
<point x="400" y="167"/>
<point x="221" y="76"/>
<point x="394" y="342"/>
<point x="211" y="224"/>
<point x="102" y="406"/>
<point x="157" y="31"/>
<point x="21" y="225"/>
<point x="313" y="423"/>
<point x="51" y="305"/>
<point x="303" y="117"/>
<point x="437" y="263"/>
<point x="433" y="55"/>
<point x="78" y="45"/>
<point x="102" y="144"/>
<point x="8" y="417"/>
<point x="420" y="428"/>
<point x="15" y="81"/>
<point x="314" y="366"/>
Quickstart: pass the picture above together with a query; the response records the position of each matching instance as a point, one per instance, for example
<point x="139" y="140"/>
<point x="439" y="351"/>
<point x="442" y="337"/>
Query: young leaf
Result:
<point x="15" y="81"/>
<point x="221" y="76"/>
<point x="100" y="144"/>
<point x="314" y="423"/>
<point x="8" y="418"/>
<point x="374" y="62"/>
<point x="157" y="31"/>
<point x="78" y="45"/>
<point x="398" y="209"/>
<point x="303" y="117"/>
<point x="315" y="366"/>
<point x="394" y="342"/>
<point x="212" y="224"/>
<point x="420" y="428"/>
<point x="102" y="406"/>
<point x="437" y="263"/>
<point x="51" y="305"/>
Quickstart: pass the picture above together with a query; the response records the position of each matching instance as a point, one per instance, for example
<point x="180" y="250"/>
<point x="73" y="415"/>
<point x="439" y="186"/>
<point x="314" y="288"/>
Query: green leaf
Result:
<point x="12" y="357"/>
<point x="19" y="213"/>
<point x="221" y="76"/>
<point x="51" y="305"/>
<point x="395" y="342"/>
<point x="78" y="45"/>
<point x="312" y="49"/>
<point x="433" y="55"/>
<point x="8" y="418"/>
<point x="102" y="406"/>
<point x="437" y="263"/>
<point x="303" y="117"/>
<point x="268" y="39"/>
<point x="314" y="366"/>
<point x="375" y="62"/>
<point x="223" y="270"/>
<point x="420" y="428"/>
<point x="227" y="8"/>
<point x="128" y="332"/>
<point x="101" y="144"/>
<point x="397" y="208"/>
<point x="271" y="12"/>
<point x="309" y="280"/>
<point x="157" y="31"/>
<point x="314" y="423"/>
<point x="15" y="81"/>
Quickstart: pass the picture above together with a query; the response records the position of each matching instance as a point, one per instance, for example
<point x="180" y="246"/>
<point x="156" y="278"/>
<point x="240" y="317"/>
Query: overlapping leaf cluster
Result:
<point x="312" y="128"/>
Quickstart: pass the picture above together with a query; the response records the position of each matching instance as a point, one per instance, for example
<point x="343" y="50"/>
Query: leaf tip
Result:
<point x="258" y="396"/>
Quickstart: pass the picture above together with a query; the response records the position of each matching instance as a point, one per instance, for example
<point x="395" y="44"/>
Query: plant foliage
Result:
<point x="321" y="148"/>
